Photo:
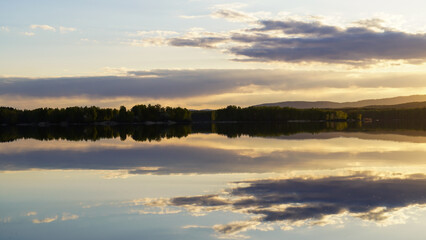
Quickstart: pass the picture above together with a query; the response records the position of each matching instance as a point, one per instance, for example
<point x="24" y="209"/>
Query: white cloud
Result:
<point x="116" y="71"/>
<point x="68" y="216"/>
<point x="66" y="29"/>
<point x="31" y="213"/>
<point x="86" y="40"/>
<point x="150" y="38"/>
<point x="4" y="29"/>
<point x="157" y="211"/>
<point x="192" y="17"/>
<point x="43" y="27"/>
<point x="46" y="220"/>
<point x="194" y="226"/>
<point x="153" y="33"/>
<point x="147" y="42"/>
<point x="30" y="34"/>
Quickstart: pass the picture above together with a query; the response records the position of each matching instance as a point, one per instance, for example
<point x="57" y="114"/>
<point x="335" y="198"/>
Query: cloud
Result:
<point x="66" y="29"/>
<point x="191" y="16"/>
<point x="372" y="23"/>
<point x="207" y="200"/>
<point x="149" y="38"/>
<point x="198" y="37"/>
<point x="194" y="226"/>
<point x="315" y="42"/>
<point x="293" y="27"/>
<point x="68" y="216"/>
<point x="206" y="42"/>
<point x="31" y="213"/>
<point x="45" y="220"/>
<point x="232" y="15"/>
<point x="361" y="43"/>
<point x="235" y="227"/>
<point x="4" y="29"/>
<point x="154" y="33"/>
<point x="169" y="84"/>
<point x="43" y="27"/>
<point x="146" y="42"/>
<point x="29" y="34"/>
<point x="156" y="211"/>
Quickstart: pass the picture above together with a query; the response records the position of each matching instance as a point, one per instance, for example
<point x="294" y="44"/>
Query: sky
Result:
<point x="208" y="54"/>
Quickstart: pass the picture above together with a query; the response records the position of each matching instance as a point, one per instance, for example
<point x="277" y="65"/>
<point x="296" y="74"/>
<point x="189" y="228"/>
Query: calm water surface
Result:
<point x="265" y="181"/>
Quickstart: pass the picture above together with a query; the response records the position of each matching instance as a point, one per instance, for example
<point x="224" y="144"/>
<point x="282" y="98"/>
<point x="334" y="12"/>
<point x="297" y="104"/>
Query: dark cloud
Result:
<point x="311" y="211"/>
<point x="207" y="201"/>
<point x="153" y="84"/>
<point x="371" y="23"/>
<point x="190" y="83"/>
<point x="235" y="227"/>
<point x="232" y="15"/>
<point x="321" y="43"/>
<point x="152" y="87"/>
<point x="364" y="44"/>
<point x="206" y="42"/>
<point x="297" y="27"/>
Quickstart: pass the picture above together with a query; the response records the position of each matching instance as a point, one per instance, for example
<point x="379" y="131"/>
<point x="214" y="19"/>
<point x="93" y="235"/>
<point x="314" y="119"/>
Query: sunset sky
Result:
<point x="208" y="54"/>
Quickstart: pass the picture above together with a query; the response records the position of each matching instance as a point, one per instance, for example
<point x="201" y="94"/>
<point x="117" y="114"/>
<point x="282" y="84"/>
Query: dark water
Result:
<point x="214" y="181"/>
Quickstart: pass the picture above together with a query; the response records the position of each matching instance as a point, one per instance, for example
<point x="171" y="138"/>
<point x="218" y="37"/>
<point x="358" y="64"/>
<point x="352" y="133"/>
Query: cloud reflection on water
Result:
<point x="295" y="202"/>
<point x="186" y="159"/>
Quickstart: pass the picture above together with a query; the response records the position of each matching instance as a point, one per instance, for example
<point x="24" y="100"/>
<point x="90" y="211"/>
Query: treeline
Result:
<point x="284" y="114"/>
<point x="138" y="113"/>
<point x="157" y="113"/>
<point x="386" y="114"/>
<point x="234" y="113"/>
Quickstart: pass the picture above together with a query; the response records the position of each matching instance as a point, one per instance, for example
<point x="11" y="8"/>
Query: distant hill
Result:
<point x="404" y="102"/>
<point x="400" y="106"/>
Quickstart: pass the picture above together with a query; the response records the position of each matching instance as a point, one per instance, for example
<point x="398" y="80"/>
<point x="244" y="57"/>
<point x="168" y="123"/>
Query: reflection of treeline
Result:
<point x="390" y="125"/>
<point x="277" y="129"/>
<point x="274" y="129"/>
<point x="94" y="133"/>
<point x="157" y="132"/>
<point x="138" y="113"/>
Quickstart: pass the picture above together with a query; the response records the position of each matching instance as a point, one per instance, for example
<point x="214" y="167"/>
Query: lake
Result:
<point x="214" y="181"/>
